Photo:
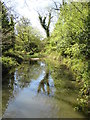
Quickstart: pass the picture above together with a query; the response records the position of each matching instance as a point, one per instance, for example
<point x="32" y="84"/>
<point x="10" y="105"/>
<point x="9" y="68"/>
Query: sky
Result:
<point x="29" y="8"/>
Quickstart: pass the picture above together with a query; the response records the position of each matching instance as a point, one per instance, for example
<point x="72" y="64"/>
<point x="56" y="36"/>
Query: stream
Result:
<point x="35" y="90"/>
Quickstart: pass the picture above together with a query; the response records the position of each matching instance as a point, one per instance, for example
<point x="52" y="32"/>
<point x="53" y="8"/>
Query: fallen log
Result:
<point x="34" y="59"/>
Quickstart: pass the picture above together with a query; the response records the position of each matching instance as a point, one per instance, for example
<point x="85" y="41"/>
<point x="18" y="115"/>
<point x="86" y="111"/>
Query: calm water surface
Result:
<point x="37" y="91"/>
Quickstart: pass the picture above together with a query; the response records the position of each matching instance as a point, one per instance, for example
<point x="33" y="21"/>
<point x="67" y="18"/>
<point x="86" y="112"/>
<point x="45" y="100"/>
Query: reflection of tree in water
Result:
<point x="44" y="81"/>
<point x="26" y="73"/>
<point x="7" y="90"/>
<point x="17" y="80"/>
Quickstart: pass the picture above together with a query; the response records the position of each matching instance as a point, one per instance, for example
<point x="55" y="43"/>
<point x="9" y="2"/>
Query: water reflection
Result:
<point x="33" y="76"/>
<point x="7" y="91"/>
<point x="34" y="88"/>
<point x="44" y="84"/>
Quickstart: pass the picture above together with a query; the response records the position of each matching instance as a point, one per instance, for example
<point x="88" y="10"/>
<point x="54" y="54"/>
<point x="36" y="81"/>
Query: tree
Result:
<point x="46" y="26"/>
<point x="43" y="19"/>
<point x="71" y="40"/>
<point x="27" y="38"/>
<point x="58" y="5"/>
<point x="8" y="35"/>
<point x="13" y="33"/>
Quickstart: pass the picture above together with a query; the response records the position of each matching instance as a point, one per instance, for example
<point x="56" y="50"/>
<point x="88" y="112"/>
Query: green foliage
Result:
<point x="8" y="35"/>
<point x="7" y="64"/>
<point x="8" y="38"/>
<point x="16" y="43"/>
<point x="28" y="39"/>
<point x="15" y="55"/>
<point x="70" y="39"/>
<point x="7" y="61"/>
<point x="71" y="29"/>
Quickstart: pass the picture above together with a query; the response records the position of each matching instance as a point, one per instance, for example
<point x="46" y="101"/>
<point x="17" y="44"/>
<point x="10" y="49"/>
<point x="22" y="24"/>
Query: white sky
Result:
<point x="29" y="10"/>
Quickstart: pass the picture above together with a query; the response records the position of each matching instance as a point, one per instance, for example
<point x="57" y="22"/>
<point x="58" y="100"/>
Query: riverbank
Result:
<point x="11" y="60"/>
<point x="75" y="68"/>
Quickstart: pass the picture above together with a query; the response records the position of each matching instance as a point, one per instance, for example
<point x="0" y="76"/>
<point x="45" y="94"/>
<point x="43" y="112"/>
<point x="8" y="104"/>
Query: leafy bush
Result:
<point x="14" y="55"/>
<point x="7" y="64"/>
<point x="70" y="39"/>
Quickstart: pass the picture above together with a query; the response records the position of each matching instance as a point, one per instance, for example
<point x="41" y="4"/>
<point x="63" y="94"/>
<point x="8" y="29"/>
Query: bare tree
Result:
<point x="44" y="24"/>
<point x="57" y="5"/>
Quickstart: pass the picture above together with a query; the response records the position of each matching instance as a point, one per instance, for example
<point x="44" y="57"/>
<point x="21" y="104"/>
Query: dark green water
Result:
<point x="39" y="90"/>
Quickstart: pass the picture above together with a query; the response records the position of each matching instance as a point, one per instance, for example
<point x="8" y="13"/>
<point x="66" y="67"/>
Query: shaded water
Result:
<point x="37" y="91"/>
